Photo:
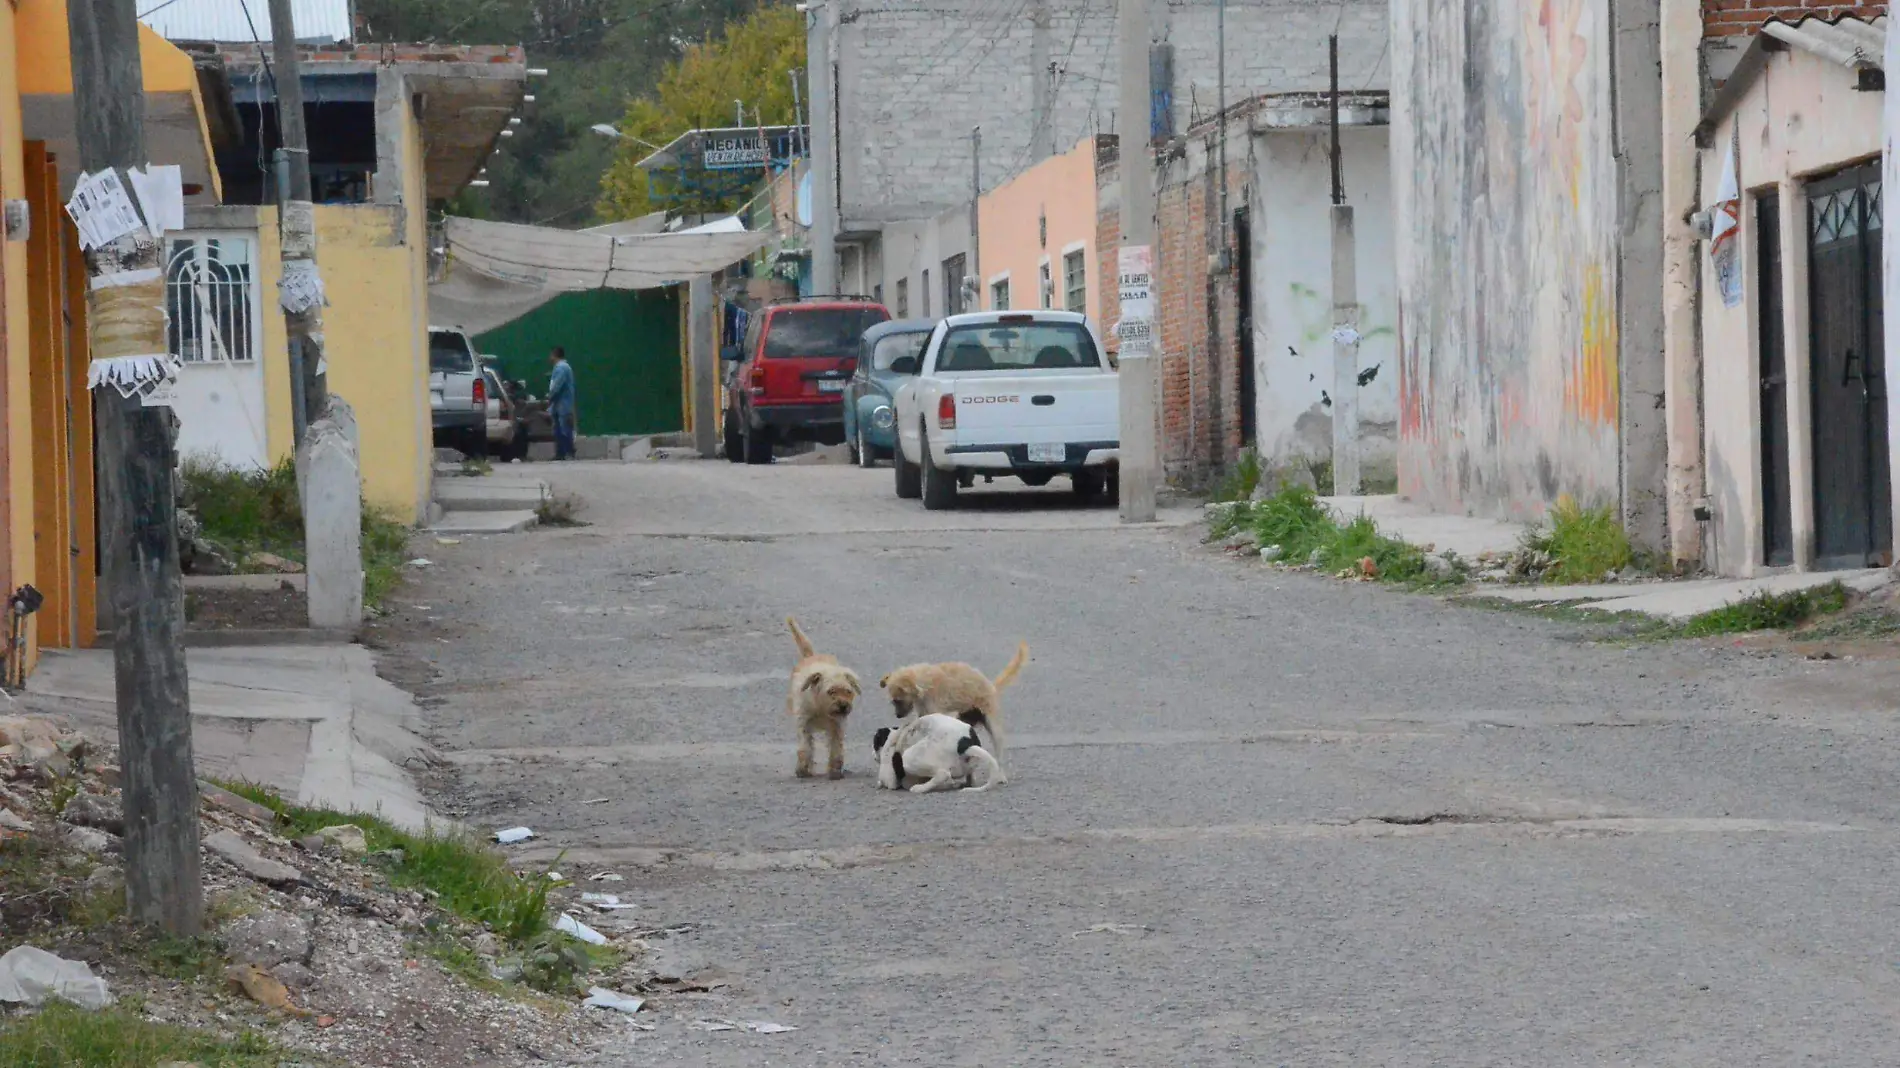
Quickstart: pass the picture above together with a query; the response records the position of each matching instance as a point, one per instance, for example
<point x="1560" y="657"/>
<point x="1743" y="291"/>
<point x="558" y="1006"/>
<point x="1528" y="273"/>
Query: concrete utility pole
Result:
<point x="1041" y="86"/>
<point x="164" y="883"/>
<point x="1345" y="315"/>
<point x="824" y="151"/>
<point x="975" y="303"/>
<point x="1140" y="386"/>
<point x="300" y="292"/>
<point x="703" y="353"/>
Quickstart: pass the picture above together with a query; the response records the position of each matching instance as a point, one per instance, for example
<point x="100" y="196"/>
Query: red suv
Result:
<point x="791" y="373"/>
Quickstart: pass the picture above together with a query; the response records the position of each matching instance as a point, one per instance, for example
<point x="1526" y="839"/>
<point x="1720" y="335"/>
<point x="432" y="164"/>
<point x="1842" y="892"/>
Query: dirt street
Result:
<point x="1254" y="817"/>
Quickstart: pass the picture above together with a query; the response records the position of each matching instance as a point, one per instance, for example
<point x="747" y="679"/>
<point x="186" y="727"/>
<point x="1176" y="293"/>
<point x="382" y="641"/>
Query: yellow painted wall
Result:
<point x="16" y="480"/>
<point x="375" y="345"/>
<point x="48" y="67"/>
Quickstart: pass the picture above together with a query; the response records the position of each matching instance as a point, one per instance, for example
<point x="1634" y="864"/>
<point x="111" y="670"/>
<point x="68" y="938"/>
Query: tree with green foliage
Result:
<point x="752" y="61"/>
<point x="599" y="55"/>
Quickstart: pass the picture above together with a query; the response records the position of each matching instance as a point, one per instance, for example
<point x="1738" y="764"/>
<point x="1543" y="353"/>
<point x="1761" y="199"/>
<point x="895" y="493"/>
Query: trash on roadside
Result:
<point x="597" y="801"/>
<point x="513" y="835"/>
<point x="711" y="1025"/>
<point x="766" y="1027"/>
<point x="556" y="877"/>
<point x="28" y="976"/>
<point x="569" y="925"/>
<point x="422" y="561"/>
<point x="1113" y="928"/>
<point x="604" y="902"/>
<point x="600" y="997"/>
<point x="448" y="541"/>
<point x="608" y="877"/>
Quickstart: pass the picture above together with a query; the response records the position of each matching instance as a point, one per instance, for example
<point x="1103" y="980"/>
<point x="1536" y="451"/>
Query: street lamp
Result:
<point x="605" y="130"/>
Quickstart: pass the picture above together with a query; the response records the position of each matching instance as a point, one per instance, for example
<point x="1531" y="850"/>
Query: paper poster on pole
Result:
<point x="1135" y="283"/>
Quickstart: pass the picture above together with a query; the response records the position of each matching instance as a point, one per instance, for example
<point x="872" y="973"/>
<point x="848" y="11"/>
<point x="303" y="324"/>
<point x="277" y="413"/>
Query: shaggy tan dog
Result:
<point x="956" y="690"/>
<point x="823" y="692"/>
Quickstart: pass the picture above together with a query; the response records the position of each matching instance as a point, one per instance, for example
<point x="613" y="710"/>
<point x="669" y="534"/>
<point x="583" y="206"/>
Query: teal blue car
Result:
<point x="887" y="355"/>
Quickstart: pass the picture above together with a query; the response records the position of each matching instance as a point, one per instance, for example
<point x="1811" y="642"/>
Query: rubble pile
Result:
<point x="307" y="941"/>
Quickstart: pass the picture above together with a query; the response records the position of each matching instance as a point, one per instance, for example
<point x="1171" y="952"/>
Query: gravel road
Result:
<point x="1254" y="817"/>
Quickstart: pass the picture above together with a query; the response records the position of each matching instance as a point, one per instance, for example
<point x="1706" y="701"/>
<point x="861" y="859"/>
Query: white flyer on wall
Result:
<point x="1135" y="284"/>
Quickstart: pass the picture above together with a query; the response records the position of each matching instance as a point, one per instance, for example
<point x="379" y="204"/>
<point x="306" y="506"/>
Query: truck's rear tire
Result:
<point x="1089" y="483"/>
<point x="940" y="486"/>
<point x="908" y="477"/>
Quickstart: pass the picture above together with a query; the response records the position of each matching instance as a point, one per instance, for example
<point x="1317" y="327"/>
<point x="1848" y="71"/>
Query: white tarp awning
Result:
<point x="497" y="272"/>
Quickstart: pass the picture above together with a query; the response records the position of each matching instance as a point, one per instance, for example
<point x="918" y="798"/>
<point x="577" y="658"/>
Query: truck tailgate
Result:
<point x="1037" y="408"/>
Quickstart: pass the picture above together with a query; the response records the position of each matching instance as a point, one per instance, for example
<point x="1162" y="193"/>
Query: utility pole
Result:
<point x="976" y="237"/>
<point x="301" y="290"/>
<point x="1140" y="463"/>
<point x="824" y="154"/>
<point x="1345" y="315"/>
<point x="1041" y="89"/>
<point x="164" y="880"/>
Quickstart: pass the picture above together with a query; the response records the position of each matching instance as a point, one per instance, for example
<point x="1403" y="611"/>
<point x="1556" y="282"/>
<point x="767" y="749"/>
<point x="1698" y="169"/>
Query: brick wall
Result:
<point x="1199" y="348"/>
<point x="1731" y="18"/>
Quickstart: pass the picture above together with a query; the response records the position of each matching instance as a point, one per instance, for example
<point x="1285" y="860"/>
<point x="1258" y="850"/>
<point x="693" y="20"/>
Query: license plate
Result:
<point x="831" y="385"/>
<point x="1048" y="454"/>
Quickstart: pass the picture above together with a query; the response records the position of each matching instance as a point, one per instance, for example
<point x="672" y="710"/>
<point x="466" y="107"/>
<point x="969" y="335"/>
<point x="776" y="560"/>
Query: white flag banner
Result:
<point x="1724" y="246"/>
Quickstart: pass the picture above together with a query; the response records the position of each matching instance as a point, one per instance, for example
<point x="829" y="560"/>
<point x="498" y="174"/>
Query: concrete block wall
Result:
<point x="1733" y="18"/>
<point x="914" y="78"/>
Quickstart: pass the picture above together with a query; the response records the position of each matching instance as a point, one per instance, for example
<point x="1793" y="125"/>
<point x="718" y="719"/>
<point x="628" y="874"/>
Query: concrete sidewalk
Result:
<point x="1415" y="523"/>
<point x="1682" y="598"/>
<point x="313" y="722"/>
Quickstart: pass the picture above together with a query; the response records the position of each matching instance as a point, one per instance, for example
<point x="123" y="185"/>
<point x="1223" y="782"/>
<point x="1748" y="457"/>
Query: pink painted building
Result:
<point x="1037" y="236"/>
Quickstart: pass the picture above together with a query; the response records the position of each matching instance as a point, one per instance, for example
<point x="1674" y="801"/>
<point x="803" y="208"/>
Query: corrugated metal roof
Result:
<point x="1859" y="45"/>
<point x="224" y="20"/>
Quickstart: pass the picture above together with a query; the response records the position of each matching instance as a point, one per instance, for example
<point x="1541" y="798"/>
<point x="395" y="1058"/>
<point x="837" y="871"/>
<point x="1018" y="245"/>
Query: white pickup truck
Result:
<point x="1026" y="393"/>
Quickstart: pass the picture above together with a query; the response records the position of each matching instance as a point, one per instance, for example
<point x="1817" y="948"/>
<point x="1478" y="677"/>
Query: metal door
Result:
<point x="1853" y="521"/>
<point x="1777" y="523"/>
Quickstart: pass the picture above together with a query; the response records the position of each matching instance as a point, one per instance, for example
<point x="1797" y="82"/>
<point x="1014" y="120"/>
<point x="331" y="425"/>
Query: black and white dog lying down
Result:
<point x="939" y="750"/>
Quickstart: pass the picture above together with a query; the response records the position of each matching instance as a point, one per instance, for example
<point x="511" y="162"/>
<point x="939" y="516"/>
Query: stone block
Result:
<point x="333" y="525"/>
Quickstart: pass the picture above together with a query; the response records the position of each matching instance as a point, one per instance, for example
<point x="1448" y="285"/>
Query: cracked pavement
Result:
<point x="1254" y="817"/>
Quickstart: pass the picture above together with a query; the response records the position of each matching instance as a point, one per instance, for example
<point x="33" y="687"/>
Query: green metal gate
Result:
<point x="625" y="348"/>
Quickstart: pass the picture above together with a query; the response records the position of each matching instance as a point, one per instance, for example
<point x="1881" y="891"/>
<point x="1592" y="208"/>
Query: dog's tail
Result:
<point x="805" y="651"/>
<point x="992" y="771"/>
<point x="1014" y="667"/>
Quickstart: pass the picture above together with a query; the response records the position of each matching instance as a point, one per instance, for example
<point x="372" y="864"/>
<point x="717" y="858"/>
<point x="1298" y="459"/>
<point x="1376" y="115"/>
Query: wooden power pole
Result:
<point x="301" y="291"/>
<point x="129" y="369"/>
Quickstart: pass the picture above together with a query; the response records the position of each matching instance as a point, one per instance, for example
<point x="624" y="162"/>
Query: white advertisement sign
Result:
<point x="1135" y="281"/>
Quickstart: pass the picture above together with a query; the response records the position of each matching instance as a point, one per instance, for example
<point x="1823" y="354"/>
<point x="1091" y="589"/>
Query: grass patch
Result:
<point x="1767" y="611"/>
<point x="1306" y="532"/>
<point x="1583" y="544"/>
<point x="246" y="511"/>
<point x="1763" y="611"/>
<point x="471" y="880"/>
<point x="385" y="550"/>
<point x="251" y="511"/>
<point x="60" y="1035"/>
<point x="183" y="959"/>
<point x="560" y="510"/>
<point x="1240" y="480"/>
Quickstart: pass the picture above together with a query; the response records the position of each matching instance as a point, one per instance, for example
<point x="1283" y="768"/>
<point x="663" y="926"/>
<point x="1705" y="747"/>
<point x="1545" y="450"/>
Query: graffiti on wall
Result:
<point x="1509" y="381"/>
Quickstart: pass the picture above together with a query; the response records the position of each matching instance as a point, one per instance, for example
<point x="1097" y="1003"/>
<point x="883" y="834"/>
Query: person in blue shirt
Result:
<point x="561" y="403"/>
